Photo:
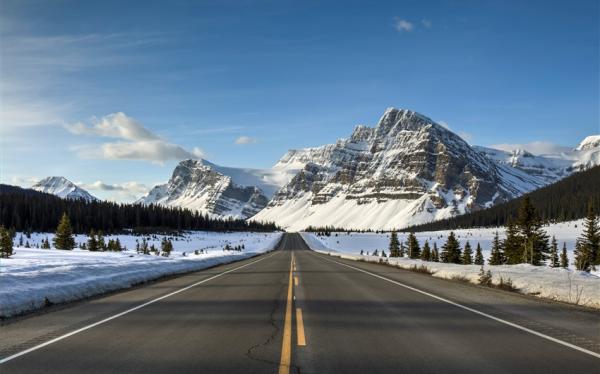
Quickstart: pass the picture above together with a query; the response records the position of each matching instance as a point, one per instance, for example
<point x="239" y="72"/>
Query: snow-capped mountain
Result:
<point x="406" y="170"/>
<point x="63" y="188"/>
<point x="550" y="167"/>
<point x="217" y="190"/>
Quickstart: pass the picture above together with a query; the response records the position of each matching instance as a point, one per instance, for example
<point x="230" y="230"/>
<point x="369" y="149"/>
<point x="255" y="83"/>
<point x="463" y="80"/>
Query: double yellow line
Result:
<point x="286" y="345"/>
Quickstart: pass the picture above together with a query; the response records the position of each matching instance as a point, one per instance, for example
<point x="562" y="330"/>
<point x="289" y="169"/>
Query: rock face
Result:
<point x="405" y="170"/>
<point x="196" y="185"/>
<point x="63" y="188"/>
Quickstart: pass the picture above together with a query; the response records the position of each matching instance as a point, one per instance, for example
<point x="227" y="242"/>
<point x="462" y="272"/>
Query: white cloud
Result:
<point x="427" y="23"/>
<point x="403" y="25"/>
<point x="132" y="187"/>
<point x="444" y="124"/>
<point x="139" y="142"/>
<point x="116" y="125"/>
<point x="246" y="140"/>
<point x="536" y="147"/>
<point x="466" y="136"/>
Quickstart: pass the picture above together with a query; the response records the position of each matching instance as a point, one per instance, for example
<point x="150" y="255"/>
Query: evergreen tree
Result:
<point x="166" y="247"/>
<point x="564" y="260"/>
<point x="63" y="238"/>
<point x="451" y="252"/>
<point x="588" y="244"/>
<point x="45" y="243"/>
<point x="513" y="244"/>
<point x="92" y="243"/>
<point x="6" y="243"/>
<point x="435" y="254"/>
<point x="554" y="253"/>
<point x="426" y="252"/>
<point x="478" y="255"/>
<point x="402" y="250"/>
<point x="101" y="241"/>
<point x="497" y="255"/>
<point x="414" y="250"/>
<point x="394" y="245"/>
<point x="118" y="245"/>
<point x="535" y="240"/>
<point x="467" y="254"/>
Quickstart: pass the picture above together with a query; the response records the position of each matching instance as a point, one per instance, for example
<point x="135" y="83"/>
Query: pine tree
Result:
<point x="63" y="238"/>
<point x="92" y="243"/>
<point x="6" y="243"/>
<point x="451" y="252"/>
<point x="166" y="246"/>
<point x="435" y="254"/>
<point x="530" y="240"/>
<point x="101" y="242"/>
<point x="414" y="250"/>
<point x="588" y="244"/>
<point x="478" y="255"/>
<point x="496" y="255"/>
<point x="45" y="243"/>
<point x="426" y="252"/>
<point x="467" y="254"/>
<point x="513" y="244"/>
<point x="402" y="250"/>
<point x="118" y="245"/>
<point x="564" y="260"/>
<point x="394" y="245"/>
<point x="554" y="253"/>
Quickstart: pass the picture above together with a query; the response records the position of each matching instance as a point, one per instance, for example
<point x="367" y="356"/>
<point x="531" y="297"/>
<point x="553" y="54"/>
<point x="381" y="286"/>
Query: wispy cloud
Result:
<point x="403" y="25"/>
<point x="35" y="70"/>
<point x="536" y="147"/>
<point x="426" y="23"/>
<point x="246" y="140"/>
<point x="137" y="142"/>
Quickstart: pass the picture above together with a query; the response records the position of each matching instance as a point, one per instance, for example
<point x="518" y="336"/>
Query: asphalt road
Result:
<point x="294" y="310"/>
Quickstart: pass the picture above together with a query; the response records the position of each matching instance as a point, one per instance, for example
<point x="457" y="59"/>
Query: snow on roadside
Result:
<point x="566" y="285"/>
<point x="31" y="276"/>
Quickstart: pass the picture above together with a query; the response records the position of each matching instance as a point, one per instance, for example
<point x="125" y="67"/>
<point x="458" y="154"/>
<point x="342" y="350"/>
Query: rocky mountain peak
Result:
<point x="63" y="188"/>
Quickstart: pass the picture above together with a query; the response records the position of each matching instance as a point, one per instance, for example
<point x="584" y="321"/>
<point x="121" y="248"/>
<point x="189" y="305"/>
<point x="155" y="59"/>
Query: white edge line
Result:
<point x="34" y="348"/>
<point x="523" y="328"/>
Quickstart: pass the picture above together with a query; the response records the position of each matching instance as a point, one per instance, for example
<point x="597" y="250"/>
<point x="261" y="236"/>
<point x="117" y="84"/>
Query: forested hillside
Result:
<point x="29" y="210"/>
<point x="565" y="200"/>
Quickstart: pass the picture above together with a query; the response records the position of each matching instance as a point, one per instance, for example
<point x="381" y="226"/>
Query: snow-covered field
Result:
<point x="567" y="285"/>
<point x="31" y="276"/>
<point x="566" y="232"/>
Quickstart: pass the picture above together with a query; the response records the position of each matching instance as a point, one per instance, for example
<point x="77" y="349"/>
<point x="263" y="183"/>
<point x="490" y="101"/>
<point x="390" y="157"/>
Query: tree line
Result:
<point x="565" y="200"/>
<point x="32" y="211"/>
<point x="525" y="242"/>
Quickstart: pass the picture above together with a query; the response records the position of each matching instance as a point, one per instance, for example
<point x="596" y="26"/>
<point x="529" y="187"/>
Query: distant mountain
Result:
<point x="407" y="169"/>
<point x="218" y="191"/>
<point x="550" y="167"/>
<point x="63" y="188"/>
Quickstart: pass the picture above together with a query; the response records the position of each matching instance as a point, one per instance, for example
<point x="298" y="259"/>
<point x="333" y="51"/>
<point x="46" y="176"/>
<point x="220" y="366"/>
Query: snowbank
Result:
<point x="566" y="285"/>
<point x="32" y="276"/>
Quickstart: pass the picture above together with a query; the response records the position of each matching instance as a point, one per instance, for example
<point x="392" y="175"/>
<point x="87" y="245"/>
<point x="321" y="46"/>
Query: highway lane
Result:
<point x="318" y="314"/>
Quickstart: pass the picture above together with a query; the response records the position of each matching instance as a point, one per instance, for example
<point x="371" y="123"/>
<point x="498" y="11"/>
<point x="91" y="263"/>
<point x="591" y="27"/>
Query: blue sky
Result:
<point x="114" y="92"/>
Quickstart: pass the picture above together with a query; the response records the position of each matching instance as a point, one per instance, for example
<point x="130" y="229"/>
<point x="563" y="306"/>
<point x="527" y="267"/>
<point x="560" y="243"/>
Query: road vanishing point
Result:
<point x="297" y="311"/>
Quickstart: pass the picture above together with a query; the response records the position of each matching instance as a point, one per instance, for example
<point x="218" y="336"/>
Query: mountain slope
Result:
<point x="63" y="188"/>
<point x="565" y="200"/>
<point x="220" y="191"/>
<point x="407" y="169"/>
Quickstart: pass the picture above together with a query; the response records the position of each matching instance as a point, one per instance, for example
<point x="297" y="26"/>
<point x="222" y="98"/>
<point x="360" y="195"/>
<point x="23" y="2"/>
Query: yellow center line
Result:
<point x="300" y="327"/>
<point x="286" y="345"/>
